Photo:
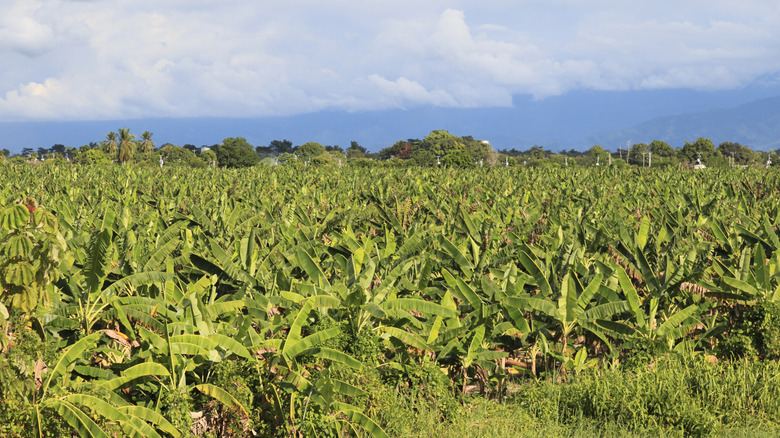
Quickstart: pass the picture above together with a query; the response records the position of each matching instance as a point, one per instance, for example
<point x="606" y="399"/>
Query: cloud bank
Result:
<point x="111" y="59"/>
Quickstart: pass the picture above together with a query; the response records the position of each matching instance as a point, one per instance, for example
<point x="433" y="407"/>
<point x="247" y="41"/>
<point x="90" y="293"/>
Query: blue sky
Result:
<point x="119" y="59"/>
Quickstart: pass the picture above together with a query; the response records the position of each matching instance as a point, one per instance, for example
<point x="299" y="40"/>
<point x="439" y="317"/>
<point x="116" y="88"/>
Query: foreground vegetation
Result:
<point x="289" y="301"/>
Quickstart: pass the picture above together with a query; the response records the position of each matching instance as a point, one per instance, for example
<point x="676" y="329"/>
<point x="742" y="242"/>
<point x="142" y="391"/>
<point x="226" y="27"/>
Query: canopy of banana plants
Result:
<point x="171" y="301"/>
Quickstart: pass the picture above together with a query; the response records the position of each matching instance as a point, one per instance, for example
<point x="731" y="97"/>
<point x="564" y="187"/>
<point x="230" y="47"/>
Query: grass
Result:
<point x="675" y="396"/>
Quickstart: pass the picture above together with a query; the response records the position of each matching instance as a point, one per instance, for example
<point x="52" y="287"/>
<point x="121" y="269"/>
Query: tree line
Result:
<point x="654" y="154"/>
<point x="439" y="148"/>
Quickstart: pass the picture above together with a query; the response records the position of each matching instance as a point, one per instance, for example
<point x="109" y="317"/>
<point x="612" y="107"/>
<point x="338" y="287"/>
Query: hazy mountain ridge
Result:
<point x="755" y="124"/>
<point x="576" y="120"/>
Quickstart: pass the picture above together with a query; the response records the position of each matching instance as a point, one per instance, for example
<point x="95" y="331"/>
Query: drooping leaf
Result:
<point x="135" y="372"/>
<point x="418" y="305"/>
<point x="536" y="272"/>
<point x="222" y="396"/>
<point x="407" y="338"/>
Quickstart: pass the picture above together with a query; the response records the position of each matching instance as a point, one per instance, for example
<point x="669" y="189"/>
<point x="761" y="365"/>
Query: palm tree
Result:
<point x="111" y="147"/>
<point x="147" y="145"/>
<point x="126" y="145"/>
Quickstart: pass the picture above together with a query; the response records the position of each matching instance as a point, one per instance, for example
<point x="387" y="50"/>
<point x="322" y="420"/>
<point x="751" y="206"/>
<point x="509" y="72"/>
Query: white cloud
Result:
<point x="117" y="59"/>
<point x="403" y="90"/>
<point x="20" y="32"/>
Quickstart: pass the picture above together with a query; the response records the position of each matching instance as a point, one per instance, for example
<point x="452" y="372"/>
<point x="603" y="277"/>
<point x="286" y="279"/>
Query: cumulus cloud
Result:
<point x="20" y="32"/>
<point x="111" y="59"/>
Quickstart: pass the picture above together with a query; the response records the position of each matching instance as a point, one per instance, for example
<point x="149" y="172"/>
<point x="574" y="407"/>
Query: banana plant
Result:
<point x="756" y="278"/>
<point x="568" y="305"/>
<point x="286" y="357"/>
<point x="674" y="324"/>
<point x="32" y="248"/>
<point x="58" y="394"/>
<point x="90" y="298"/>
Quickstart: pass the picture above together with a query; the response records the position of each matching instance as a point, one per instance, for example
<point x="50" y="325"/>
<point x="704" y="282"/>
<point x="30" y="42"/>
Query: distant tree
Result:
<point x="594" y="155"/>
<point x="560" y="160"/>
<point x="264" y="151"/>
<point x="481" y="150"/>
<point x="209" y="157"/>
<point x="287" y="159"/>
<point x="512" y="152"/>
<point x="334" y="156"/>
<point x="91" y="156"/>
<point x="43" y="151"/>
<point x="635" y="154"/>
<point x="423" y="158"/>
<point x="406" y="151"/>
<point x="441" y="142"/>
<point x="704" y="146"/>
<point x="281" y="147"/>
<point x="743" y="155"/>
<point x="356" y="151"/>
<point x="126" y="145"/>
<point x="5" y="152"/>
<point x="236" y="152"/>
<point x="401" y="149"/>
<point x="326" y="159"/>
<point x="147" y="145"/>
<point x="536" y="152"/>
<point x="505" y="160"/>
<point x="192" y="148"/>
<point x="110" y="146"/>
<point x="662" y="149"/>
<point x="457" y="158"/>
<point x="58" y="149"/>
<point x="178" y="156"/>
<point x="26" y="152"/>
<point x="310" y="150"/>
<point x="353" y="145"/>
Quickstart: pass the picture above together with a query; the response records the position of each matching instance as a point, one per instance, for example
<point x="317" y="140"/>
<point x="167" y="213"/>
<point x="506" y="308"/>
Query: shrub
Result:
<point x="757" y="333"/>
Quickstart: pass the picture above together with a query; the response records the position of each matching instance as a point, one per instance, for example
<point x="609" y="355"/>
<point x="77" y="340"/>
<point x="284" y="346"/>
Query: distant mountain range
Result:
<point x="576" y="120"/>
<point x="756" y="124"/>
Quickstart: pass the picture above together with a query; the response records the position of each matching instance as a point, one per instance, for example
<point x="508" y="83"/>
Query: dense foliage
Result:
<point x="295" y="301"/>
<point x="437" y="149"/>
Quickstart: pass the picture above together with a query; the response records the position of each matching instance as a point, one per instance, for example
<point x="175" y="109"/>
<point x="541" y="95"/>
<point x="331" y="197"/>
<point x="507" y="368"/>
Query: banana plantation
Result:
<point x="275" y="301"/>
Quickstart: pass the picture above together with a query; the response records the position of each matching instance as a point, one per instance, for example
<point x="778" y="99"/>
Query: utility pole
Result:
<point x="628" y="150"/>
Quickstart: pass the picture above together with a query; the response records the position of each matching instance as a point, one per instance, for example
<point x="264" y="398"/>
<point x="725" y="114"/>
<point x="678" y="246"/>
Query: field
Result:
<point x="378" y="301"/>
